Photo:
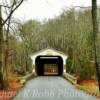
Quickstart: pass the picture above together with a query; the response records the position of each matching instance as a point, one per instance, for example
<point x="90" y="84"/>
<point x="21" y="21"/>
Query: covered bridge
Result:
<point x="49" y="68"/>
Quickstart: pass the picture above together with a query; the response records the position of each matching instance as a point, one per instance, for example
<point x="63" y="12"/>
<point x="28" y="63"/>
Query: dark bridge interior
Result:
<point x="49" y="65"/>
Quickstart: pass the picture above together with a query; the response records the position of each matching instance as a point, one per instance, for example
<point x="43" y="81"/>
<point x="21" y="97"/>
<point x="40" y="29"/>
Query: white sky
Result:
<point x="41" y="9"/>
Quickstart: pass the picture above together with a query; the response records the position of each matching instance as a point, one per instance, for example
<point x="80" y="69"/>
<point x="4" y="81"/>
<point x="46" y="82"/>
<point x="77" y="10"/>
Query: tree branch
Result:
<point x="5" y="6"/>
<point x="12" y="11"/>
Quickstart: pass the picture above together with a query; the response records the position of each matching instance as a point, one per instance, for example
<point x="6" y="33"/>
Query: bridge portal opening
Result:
<point x="49" y="65"/>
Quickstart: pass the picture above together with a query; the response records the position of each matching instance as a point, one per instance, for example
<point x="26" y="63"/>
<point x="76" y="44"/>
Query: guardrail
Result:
<point x="24" y="78"/>
<point x="70" y="78"/>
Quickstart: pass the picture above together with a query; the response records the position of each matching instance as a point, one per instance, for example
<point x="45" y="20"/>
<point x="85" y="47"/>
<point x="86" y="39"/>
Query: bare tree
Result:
<point x="1" y="52"/>
<point x="12" y="8"/>
<point x="95" y="32"/>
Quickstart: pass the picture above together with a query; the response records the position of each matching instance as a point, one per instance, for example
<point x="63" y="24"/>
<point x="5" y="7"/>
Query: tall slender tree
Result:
<point x="95" y="32"/>
<point x="1" y="53"/>
<point x="13" y="7"/>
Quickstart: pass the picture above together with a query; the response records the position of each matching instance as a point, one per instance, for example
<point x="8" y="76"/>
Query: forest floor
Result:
<point x="16" y="82"/>
<point x="13" y="88"/>
<point x="89" y="86"/>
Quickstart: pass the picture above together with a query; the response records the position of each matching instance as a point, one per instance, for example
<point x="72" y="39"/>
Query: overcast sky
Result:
<point x="41" y="9"/>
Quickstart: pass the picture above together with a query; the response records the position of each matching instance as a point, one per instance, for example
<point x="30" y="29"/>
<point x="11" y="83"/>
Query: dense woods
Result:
<point x="71" y="33"/>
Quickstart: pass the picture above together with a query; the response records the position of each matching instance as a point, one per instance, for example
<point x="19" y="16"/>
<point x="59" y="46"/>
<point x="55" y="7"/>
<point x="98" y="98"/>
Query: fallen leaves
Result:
<point x="90" y="86"/>
<point x="14" y="87"/>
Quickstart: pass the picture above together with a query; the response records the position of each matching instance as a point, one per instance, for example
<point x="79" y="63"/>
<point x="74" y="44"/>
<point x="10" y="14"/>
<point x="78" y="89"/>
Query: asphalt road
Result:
<point x="51" y="88"/>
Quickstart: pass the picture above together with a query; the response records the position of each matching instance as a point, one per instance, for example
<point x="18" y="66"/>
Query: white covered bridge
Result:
<point x="49" y="52"/>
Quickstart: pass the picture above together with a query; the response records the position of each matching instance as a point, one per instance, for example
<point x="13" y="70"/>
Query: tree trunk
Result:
<point x="95" y="31"/>
<point x="2" y="82"/>
<point x="7" y="66"/>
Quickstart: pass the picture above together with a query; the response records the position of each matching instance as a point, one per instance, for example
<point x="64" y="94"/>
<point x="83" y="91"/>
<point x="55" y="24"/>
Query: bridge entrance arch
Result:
<point x="49" y="65"/>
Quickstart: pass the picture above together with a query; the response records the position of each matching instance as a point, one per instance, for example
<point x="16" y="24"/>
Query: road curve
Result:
<point x="51" y="88"/>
